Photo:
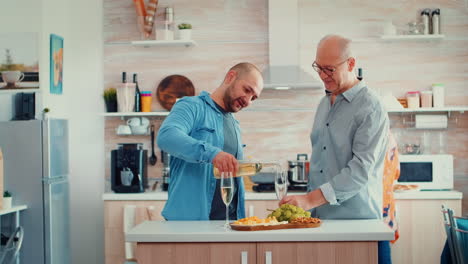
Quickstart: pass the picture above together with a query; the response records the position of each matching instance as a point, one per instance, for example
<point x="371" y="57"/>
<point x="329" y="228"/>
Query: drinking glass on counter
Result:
<point x="227" y="193"/>
<point x="281" y="184"/>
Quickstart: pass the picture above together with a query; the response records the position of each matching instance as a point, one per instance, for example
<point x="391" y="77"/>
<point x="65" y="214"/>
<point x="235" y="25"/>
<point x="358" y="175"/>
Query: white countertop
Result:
<point x="213" y="231"/>
<point x="162" y="196"/>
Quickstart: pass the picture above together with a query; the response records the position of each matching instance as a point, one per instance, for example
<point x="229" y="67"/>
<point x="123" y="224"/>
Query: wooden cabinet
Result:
<point x="196" y="253"/>
<point x="114" y="239"/>
<point x="260" y="207"/>
<point x="422" y="233"/>
<point x="317" y="252"/>
<point x="260" y="253"/>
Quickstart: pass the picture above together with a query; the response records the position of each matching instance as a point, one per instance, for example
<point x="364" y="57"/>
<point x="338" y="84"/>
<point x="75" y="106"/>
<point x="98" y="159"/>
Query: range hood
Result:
<point x="284" y="71"/>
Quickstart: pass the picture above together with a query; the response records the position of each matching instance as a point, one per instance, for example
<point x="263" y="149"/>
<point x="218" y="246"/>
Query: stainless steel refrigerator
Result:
<point x="36" y="173"/>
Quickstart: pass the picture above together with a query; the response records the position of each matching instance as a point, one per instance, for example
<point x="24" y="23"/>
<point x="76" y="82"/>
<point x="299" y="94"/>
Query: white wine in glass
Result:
<point x="227" y="192"/>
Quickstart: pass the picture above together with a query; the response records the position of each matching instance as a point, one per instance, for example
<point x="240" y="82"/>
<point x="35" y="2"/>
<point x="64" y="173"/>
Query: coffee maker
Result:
<point x="165" y="157"/>
<point x="129" y="168"/>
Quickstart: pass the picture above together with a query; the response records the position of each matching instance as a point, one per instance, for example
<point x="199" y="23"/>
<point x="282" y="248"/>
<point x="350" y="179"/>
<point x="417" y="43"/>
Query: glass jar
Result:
<point x="426" y="98"/>
<point x="412" y="99"/>
<point x="438" y="94"/>
<point x="126" y="97"/>
<point x="145" y="101"/>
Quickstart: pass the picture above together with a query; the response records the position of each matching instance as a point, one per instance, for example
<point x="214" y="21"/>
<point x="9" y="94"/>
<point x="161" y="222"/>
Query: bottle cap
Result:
<point x="436" y="11"/>
<point x="426" y="11"/>
<point x="124" y="77"/>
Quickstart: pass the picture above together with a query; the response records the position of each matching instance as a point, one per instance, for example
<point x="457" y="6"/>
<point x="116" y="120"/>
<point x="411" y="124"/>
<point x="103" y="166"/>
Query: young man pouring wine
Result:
<point x="201" y="133"/>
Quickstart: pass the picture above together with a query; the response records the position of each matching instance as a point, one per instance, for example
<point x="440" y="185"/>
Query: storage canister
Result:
<point x="426" y="98"/>
<point x="126" y="97"/>
<point x="438" y="94"/>
<point x="413" y="99"/>
<point x="145" y="101"/>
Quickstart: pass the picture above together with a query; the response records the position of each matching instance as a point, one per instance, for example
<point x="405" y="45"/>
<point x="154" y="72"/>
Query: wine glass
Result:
<point x="227" y="193"/>
<point x="281" y="184"/>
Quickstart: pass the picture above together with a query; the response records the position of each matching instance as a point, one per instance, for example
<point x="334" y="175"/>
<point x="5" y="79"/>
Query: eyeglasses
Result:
<point x="328" y="70"/>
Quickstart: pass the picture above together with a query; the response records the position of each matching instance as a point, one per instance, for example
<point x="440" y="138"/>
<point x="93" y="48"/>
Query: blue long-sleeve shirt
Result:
<point x="349" y="140"/>
<point x="193" y="134"/>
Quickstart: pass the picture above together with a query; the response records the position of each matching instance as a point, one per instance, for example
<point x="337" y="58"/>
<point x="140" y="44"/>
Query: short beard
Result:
<point x="227" y="99"/>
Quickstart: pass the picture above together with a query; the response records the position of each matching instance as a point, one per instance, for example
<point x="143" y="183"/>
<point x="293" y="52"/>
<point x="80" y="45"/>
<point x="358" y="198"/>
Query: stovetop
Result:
<point x="270" y="187"/>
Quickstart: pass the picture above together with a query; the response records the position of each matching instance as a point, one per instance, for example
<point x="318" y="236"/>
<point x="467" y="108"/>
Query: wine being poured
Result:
<point x="227" y="193"/>
<point x="227" y="187"/>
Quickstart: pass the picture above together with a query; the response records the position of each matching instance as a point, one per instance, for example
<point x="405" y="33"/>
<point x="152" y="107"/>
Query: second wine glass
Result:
<point x="227" y="192"/>
<point x="281" y="184"/>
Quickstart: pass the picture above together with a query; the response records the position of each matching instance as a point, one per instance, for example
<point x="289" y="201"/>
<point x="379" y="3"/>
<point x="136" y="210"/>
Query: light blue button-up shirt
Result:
<point x="349" y="140"/>
<point x="193" y="134"/>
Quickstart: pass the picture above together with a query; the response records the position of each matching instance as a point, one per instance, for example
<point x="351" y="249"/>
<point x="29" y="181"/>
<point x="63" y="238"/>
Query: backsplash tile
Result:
<point x="228" y="32"/>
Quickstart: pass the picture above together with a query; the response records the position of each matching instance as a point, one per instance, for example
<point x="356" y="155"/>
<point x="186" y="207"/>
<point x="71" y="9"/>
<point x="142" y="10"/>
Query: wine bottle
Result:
<point x="137" y="94"/>
<point x="245" y="169"/>
<point x="124" y="77"/>
<point x="360" y="74"/>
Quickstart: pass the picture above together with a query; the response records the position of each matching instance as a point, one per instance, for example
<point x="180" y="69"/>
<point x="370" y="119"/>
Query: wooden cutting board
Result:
<point x="173" y="87"/>
<point x="273" y="227"/>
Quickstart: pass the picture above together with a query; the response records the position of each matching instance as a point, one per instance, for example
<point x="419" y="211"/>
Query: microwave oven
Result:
<point x="429" y="172"/>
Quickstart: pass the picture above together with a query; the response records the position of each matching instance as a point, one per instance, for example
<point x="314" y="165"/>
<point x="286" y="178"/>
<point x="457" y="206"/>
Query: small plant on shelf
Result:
<point x="110" y="98"/>
<point x="184" y="26"/>
<point x="185" y="31"/>
<point x="6" y="204"/>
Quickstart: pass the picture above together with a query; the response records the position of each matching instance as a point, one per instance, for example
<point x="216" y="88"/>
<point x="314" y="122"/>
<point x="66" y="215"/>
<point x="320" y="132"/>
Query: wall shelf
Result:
<point x="13" y="209"/>
<point x="21" y="90"/>
<point x="447" y="109"/>
<point x="150" y="43"/>
<point x="124" y="114"/>
<point x="412" y="37"/>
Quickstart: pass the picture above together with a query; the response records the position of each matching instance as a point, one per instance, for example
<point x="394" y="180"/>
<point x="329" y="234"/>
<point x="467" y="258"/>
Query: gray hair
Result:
<point x="343" y="43"/>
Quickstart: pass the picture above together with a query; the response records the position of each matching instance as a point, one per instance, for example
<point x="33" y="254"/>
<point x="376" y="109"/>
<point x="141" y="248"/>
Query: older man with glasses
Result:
<point x="349" y="139"/>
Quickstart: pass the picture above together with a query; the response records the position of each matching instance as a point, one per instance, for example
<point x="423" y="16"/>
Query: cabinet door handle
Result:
<point x="244" y="257"/>
<point x="268" y="257"/>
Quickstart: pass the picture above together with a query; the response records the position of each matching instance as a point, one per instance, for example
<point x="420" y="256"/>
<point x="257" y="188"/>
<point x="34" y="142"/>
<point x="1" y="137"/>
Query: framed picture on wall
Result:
<point x="56" y="64"/>
<point x="19" y="61"/>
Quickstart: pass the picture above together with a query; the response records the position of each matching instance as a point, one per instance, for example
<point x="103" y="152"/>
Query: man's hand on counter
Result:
<point x="307" y="201"/>
<point x="225" y="162"/>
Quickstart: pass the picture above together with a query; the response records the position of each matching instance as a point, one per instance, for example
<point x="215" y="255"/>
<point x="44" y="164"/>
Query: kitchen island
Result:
<point x="335" y="241"/>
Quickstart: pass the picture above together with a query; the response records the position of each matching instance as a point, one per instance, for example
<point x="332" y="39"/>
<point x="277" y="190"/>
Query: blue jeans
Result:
<point x="385" y="256"/>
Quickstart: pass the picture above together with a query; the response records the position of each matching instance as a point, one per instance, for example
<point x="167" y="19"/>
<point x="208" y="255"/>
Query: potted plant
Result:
<point x="7" y="200"/>
<point x="110" y="98"/>
<point x="185" y="31"/>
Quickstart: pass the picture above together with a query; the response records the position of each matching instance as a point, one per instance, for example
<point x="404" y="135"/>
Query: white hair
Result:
<point x="344" y="44"/>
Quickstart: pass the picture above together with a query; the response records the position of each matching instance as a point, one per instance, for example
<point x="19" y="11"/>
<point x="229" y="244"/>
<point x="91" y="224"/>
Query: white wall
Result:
<point x="80" y="24"/>
<point x="84" y="78"/>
